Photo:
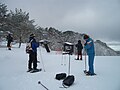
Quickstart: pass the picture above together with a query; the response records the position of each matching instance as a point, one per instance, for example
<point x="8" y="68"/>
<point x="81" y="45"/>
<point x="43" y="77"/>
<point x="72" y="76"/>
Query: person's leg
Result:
<point x="30" y="61"/>
<point x="8" y="45"/>
<point x="80" y="55"/>
<point x="35" y="61"/>
<point x="91" y="63"/>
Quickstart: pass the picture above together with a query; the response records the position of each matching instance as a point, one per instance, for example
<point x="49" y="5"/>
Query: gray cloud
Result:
<point x="99" y="18"/>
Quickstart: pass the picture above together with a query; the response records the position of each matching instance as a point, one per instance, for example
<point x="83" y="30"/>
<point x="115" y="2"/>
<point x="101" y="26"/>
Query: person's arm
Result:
<point x="87" y="45"/>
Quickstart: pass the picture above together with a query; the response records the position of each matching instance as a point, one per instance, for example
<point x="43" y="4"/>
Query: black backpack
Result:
<point x="68" y="81"/>
<point x="60" y="76"/>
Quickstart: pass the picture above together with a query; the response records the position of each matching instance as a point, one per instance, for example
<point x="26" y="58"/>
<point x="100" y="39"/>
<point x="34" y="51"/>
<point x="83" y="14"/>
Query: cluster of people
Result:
<point x="88" y="46"/>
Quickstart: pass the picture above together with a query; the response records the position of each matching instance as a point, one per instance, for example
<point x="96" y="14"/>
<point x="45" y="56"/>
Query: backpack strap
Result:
<point x="28" y="46"/>
<point x="30" y="40"/>
<point x="30" y="43"/>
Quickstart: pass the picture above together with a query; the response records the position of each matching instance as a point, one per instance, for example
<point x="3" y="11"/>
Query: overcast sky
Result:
<point x="98" y="18"/>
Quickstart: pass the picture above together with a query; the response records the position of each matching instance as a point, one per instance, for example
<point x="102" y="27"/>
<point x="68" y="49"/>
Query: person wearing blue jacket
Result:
<point x="33" y="53"/>
<point x="89" y="47"/>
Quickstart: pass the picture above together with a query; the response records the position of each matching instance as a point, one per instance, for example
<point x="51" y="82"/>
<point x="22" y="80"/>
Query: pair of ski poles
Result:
<point x="41" y="59"/>
<point x="39" y="82"/>
<point x="63" y="62"/>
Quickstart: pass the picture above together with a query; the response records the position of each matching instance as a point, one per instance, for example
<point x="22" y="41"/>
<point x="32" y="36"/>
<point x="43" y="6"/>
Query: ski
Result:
<point x="37" y="70"/>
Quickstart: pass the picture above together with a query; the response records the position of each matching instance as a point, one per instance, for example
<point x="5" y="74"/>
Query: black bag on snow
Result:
<point x="68" y="81"/>
<point x="60" y="76"/>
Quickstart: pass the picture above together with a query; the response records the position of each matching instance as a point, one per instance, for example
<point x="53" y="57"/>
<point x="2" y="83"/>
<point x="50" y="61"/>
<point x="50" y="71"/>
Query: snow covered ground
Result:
<point x="13" y="75"/>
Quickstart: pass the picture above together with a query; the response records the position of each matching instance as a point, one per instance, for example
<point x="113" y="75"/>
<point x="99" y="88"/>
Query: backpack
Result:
<point x="60" y="76"/>
<point x="68" y="81"/>
<point x="28" y="48"/>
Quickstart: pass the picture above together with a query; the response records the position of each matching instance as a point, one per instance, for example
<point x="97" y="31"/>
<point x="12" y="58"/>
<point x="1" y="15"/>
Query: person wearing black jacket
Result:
<point x="9" y="40"/>
<point x="79" y="50"/>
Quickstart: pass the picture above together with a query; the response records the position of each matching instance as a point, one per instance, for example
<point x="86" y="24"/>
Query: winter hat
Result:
<point x="79" y="41"/>
<point x="32" y="35"/>
<point x="86" y="36"/>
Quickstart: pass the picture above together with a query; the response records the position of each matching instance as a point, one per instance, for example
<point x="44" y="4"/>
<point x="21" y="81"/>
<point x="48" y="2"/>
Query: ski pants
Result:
<point x="32" y="60"/>
<point x="91" y="63"/>
<point x="79" y="54"/>
<point x="9" y="44"/>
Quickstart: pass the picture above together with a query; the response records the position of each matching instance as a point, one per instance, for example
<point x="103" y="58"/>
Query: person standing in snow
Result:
<point x="89" y="47"/>
<point x="9" y="40"/>
<point x="33" y="53"/>
<point x="79" y="50"/>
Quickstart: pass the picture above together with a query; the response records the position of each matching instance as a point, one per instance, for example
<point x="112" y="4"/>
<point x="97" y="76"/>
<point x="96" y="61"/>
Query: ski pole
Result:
<point x="62" y="59"/>
<point x="41" y="59"/>
<point x="43" y="85"/>
<point x="85" y="63"/>
<point x="69" y="65"/>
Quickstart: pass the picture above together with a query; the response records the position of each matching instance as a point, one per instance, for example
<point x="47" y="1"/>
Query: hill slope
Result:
<point x="102" y="49"/>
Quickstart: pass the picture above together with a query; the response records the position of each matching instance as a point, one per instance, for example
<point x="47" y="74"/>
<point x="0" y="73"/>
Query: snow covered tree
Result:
<point x="3" y="19"/>
<point x="3" y="14"/>
<point x="20" y="24"/>
<point x="16" y="22"/>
